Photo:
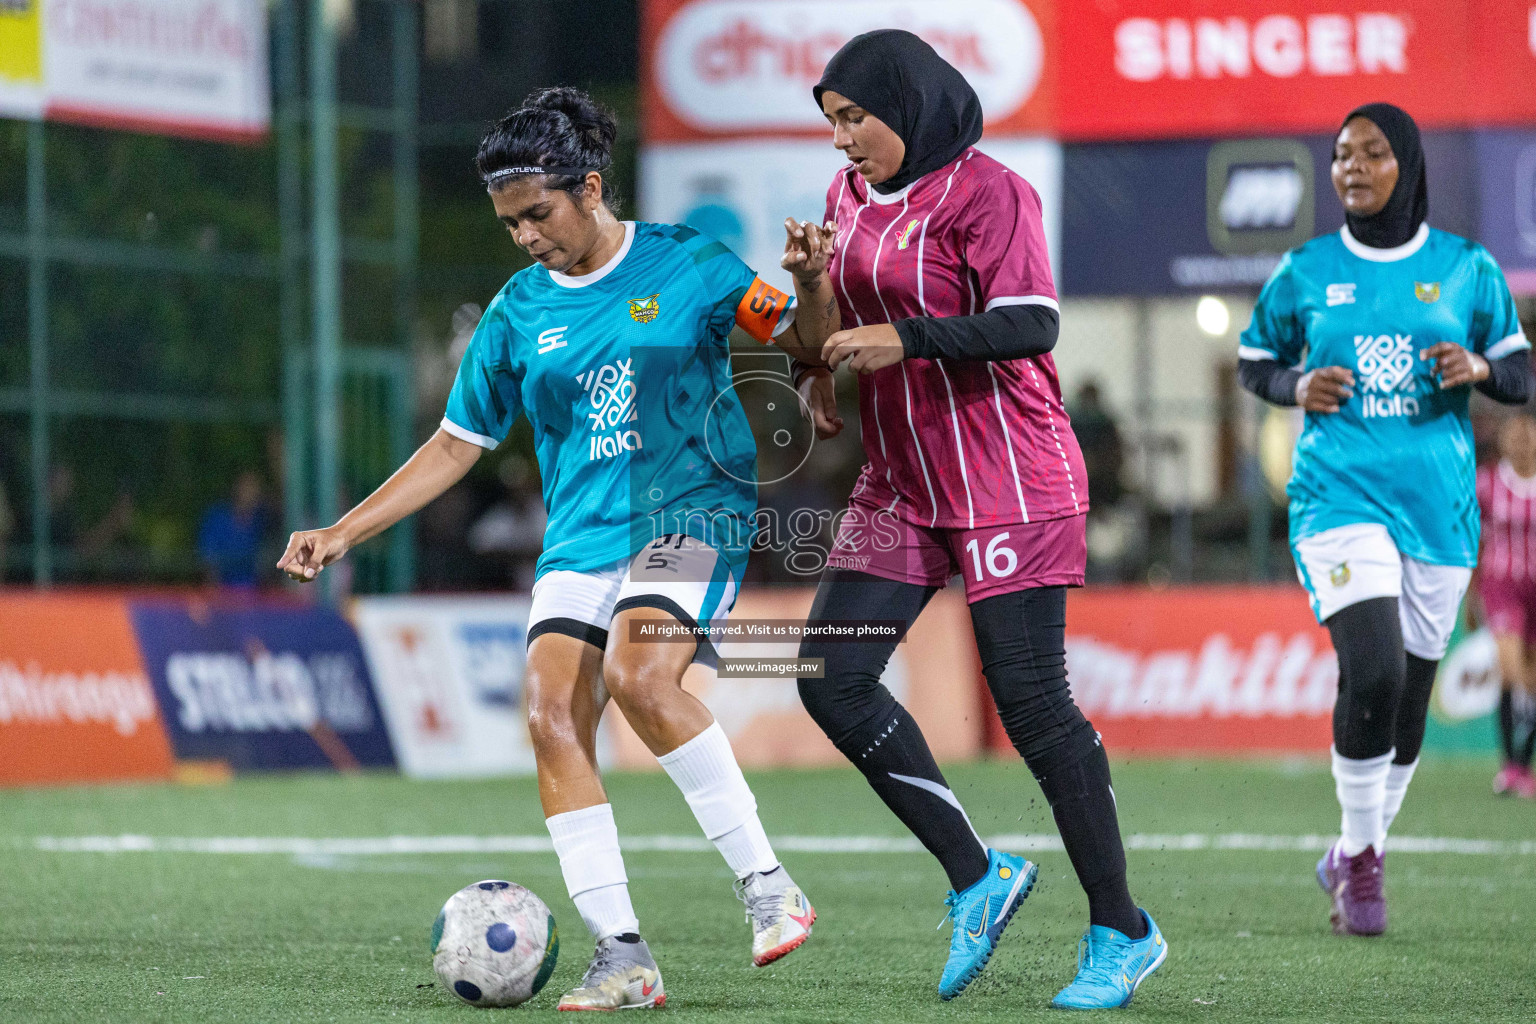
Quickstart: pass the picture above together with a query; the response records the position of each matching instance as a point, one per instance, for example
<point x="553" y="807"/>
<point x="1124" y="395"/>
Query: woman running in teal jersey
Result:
<point x="1380" y="332"/>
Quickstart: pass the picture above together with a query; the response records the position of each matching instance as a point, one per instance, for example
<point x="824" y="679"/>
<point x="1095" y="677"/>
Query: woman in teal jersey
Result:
<point x="615" y="346"/>
<point x="1380" y="332"/>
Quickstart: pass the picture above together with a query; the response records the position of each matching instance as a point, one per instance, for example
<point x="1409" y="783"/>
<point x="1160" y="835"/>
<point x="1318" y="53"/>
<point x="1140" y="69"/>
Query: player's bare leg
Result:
<point x="646" y="679"/>
<point x="565" y="703"/>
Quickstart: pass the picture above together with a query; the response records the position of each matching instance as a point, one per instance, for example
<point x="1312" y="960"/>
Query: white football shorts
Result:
<point x="1354" y="563"/>
<point x="678" y="574"/>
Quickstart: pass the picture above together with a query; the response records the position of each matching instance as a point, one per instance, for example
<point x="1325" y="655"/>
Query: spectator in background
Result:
<point x="511" y="531"/>
<point x="1103" y="451"/>
<point x="229" y="539"/>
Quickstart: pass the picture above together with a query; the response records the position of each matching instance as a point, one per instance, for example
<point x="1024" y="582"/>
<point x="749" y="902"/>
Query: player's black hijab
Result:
<point x="905" y="83"/>
<point x="1408" y="204"/>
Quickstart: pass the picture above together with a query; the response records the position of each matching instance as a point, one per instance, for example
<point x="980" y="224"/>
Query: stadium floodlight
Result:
<point x="1213" y="316"/>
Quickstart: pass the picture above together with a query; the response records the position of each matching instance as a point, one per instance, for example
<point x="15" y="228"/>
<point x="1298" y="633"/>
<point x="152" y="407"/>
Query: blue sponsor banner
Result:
<point x="1506" y="168"/>
<point x="1169" y="218"/>
<point x="262" y="686"/>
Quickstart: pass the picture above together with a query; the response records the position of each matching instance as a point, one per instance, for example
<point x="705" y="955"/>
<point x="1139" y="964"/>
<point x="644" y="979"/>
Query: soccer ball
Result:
<point x="494" y="944"/>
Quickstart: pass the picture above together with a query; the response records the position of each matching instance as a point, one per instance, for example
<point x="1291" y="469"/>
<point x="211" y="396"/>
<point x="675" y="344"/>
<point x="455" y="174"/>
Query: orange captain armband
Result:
<point x="762" y="309"/>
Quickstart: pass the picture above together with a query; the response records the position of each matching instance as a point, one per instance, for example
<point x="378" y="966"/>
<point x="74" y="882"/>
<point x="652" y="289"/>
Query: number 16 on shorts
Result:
<point x="1020" y="556"/>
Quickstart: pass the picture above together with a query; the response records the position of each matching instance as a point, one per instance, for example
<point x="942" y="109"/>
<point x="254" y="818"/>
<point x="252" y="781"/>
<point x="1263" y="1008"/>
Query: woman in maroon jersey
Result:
<point x="1506" y="582"/>
<point x="931" y="280"/>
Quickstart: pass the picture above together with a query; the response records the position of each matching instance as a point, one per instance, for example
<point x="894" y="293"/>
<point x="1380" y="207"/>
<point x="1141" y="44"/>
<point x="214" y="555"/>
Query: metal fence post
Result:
<point x="325" y="255"/>
<point x="402" y="570"/>
<point x="290" y="218"/>
<point x="37" y="330"/>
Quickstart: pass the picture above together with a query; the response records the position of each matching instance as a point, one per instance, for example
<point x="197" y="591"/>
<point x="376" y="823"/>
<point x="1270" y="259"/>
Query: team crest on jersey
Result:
<point x="1427" y="292"/>
<point x="1339" y="574"/>
<point x="644" y="310"/>
<point x="904" y="236"/>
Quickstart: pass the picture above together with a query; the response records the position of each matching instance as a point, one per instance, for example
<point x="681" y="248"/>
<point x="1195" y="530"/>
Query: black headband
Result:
<point x="507" y="172"/>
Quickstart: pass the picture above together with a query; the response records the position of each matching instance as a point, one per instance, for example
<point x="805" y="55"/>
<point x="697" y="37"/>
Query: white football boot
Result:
<point x="622" y="976"/>
<point x="780" y="915"/>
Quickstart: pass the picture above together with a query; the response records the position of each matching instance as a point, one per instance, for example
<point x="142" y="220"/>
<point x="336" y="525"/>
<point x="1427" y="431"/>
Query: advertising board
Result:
<point x="179" y="67"/>
<point x="261" y="686"/>
<point x="75" y="702"/>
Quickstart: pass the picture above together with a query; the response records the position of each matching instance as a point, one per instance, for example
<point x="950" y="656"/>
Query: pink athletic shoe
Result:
<point x="1525" y="785"/>
<point x="1507" y="782"/>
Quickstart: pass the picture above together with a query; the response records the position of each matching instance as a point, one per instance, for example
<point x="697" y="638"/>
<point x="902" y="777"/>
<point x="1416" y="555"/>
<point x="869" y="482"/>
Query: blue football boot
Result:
<point x="1110" y="966"/>
<point x="980" y="914"/>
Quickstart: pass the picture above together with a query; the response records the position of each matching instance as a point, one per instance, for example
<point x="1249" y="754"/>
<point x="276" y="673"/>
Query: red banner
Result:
<point x="75" y="702"/>
<point x="1231" y="670"/>
<point x="1144" y="69"/>
<point x="1085" y="70"/>
<point x="716" y="69"/>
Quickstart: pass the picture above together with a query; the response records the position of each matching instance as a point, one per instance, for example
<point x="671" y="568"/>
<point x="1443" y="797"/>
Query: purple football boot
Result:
<point x="1354" y="885"/>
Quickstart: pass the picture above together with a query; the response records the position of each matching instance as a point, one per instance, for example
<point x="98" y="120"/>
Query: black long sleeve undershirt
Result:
<point x="1509" y="379"/>
<point x="1269" y="380"/>
<point x="1007" y="332"/>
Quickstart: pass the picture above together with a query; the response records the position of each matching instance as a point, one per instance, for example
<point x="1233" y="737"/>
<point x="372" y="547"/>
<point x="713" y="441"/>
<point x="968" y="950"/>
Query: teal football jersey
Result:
<point x="625" y="375"/>
<point x="1399" y="451"/>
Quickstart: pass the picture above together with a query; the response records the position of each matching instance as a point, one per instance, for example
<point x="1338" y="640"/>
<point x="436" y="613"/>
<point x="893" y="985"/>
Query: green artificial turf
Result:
<point x="155" y="936"/>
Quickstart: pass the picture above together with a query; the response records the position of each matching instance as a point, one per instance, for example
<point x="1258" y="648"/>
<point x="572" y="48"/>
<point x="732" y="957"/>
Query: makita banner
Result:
<point x="1155" y="218"/>
<point x="261" y="686"/>
<point x="1214" y="669"/>
<point x="1148" y="69"/>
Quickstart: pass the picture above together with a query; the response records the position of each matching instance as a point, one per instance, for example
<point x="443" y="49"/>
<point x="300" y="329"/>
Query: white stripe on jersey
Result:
<point x="874" y="268"/>
<point x="954" y="418"/>
<point x="1050" y="417"/>
<point x="997" y="397"/>
<point x="917" y="446"/>
<point x="922" y="235"/>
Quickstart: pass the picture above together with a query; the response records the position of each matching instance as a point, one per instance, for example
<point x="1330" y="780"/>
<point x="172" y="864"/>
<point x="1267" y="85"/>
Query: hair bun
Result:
<point x="594" y="123"/>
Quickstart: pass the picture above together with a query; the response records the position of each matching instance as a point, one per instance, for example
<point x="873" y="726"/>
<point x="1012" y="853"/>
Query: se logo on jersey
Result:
<point x="645" y="309"/>
<point x="1340" y="294"/>
<point x="552" y="339"/>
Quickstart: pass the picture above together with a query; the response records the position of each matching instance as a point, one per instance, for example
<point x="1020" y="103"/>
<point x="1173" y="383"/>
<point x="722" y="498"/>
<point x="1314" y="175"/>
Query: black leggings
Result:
<point x="1021" y="640"/>
<point x="1384" y="691"/>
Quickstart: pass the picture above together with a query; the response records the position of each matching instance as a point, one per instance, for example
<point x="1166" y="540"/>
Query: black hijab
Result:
<point x="1408" y="204"/>
<point x="901" y="80"/>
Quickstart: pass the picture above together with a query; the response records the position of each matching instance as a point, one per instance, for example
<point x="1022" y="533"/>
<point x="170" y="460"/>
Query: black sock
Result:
<point x="872" y="730"/>
<point x="1525" y="714"/>
<point x="1083" y="805"/>
<point x="896" y="761"/>
<point x="1021" y="637"/>
<point x="1507" y="725"/>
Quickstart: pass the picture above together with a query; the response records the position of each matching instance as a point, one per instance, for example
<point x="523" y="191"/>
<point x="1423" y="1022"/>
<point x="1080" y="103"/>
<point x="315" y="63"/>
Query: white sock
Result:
<point x="587" y="843"/>
<point x="1398" y="777"/>
<point x="1362" y="791"/>
<point x="705" y="770"/>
